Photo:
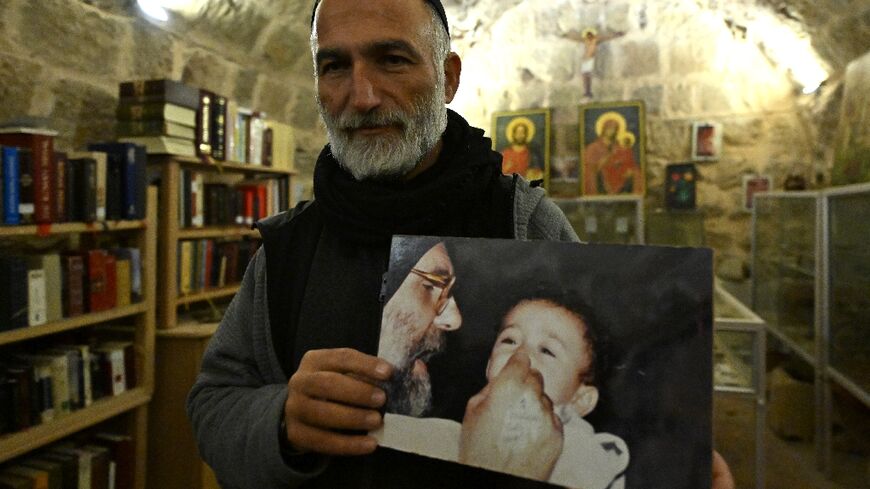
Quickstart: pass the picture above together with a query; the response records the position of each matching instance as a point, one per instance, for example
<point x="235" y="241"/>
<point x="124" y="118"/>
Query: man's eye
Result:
<point x="395" y="60"/>
<point x="548" y="352"/>
<point x="329" y="67"/>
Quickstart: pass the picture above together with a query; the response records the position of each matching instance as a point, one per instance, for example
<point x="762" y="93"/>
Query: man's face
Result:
<point x="521" y="134"/>
<point x="380" y="95"/>
<point x="553" y="339"/>
<point x="414" y="322"/>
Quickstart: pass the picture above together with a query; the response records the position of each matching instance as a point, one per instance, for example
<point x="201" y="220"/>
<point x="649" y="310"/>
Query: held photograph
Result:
<point x="523" y="139"/>
<point x="612" y="149"/>
<point x="551" y="361"/>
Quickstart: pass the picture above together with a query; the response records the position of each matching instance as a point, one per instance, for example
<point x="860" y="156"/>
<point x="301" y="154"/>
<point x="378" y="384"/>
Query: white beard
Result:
<point x="390" y="156"/>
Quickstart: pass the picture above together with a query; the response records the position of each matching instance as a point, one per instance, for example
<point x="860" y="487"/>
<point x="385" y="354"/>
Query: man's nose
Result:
<point x="450" y="319"/>
<point x="363" y="91"/>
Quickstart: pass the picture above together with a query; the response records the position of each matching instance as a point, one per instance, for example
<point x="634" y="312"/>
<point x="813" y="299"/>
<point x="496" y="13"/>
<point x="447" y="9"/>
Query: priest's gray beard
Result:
<point x="385" y="157"/>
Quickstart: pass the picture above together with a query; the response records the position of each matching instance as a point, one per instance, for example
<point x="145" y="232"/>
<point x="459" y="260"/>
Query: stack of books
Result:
<point x="160" y="115"/>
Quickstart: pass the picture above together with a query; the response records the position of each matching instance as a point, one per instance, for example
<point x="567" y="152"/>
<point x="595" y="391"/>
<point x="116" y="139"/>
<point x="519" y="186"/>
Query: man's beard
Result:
<point x="409" y="391"/>
<point x="387" y="156"/>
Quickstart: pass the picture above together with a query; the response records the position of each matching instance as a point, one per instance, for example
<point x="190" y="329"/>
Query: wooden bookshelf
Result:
<point x="133" y="403"/>
<point x="72" y="323"/>
<point x="16" y="444"/>
<point x="170" y="167"/>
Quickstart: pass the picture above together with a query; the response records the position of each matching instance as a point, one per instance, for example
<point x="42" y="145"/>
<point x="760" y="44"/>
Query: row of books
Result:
<point x="170" y="117"/>
<point x="208" y="204"/>
<point x="53" y="382"/>
<point x="41" y="186"/>
<point x="208" y="263"/>
<point x="39" y="289"/>
<point x="103" y="460"/>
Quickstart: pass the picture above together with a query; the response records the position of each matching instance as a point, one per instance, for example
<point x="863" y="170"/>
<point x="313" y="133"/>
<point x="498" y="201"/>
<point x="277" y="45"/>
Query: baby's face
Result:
<point x="552" y="337"/>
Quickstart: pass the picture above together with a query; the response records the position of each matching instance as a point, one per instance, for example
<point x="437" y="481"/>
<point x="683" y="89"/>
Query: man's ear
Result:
<point x="585" y="399"/>
<point x="452" y="72"/>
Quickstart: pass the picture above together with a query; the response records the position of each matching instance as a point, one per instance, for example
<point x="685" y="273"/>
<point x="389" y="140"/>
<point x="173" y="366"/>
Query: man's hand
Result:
<point x="510" y="425"/>
<point x="333" y="393"/>
<point x="722" y="478"/>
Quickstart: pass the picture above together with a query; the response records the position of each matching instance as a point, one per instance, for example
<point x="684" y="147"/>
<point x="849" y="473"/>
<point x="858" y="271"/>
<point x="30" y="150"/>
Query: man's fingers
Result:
<point x="332" y="416"/>
<point x="309" y="438"/>
<point x="336" y="387"/>
<point x="347" y="361"/>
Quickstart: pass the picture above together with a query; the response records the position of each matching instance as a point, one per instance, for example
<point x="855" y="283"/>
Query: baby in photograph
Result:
<point x="541" y="375"/>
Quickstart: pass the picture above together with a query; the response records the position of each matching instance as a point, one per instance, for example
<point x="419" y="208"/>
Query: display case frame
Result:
<point x="739" y="319"/>
<point x="610" y="200"/>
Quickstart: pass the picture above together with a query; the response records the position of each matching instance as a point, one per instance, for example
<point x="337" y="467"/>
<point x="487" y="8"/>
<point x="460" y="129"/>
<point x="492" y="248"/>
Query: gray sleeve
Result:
<point x="538" y="217"/>
<point x="237" y="401"/>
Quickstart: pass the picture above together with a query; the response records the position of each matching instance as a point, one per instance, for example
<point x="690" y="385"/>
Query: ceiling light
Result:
<point x="153" y="9"/>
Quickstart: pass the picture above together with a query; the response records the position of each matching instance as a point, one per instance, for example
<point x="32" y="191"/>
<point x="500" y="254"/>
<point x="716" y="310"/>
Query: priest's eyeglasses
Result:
<point x="443" y="282"/>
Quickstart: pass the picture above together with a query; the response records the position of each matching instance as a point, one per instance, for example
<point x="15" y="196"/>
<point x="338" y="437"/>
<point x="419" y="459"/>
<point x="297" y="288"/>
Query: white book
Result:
<point x="59" y="365"/>
<point x="197" y="198"/>
<point x="36" y="302"/>
<point x="85" y="385"/>
<point x="255" y="140"/>
<point x="114" y="353"/>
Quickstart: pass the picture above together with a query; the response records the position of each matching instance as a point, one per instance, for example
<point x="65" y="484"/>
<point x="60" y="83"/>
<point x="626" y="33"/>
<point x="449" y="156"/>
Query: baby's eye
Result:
<point x="508" y="341"/>
<point x="547" y="351"/>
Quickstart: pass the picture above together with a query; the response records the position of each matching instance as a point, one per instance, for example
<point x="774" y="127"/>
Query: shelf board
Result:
<point x="801" y="351"/>
<point x="218" y="232"/>
<point x="70" y="228"/>
<point x="71" y="323"/>
<point x="233" y="166"/>
<point x="207" y="294"/>
<point x="38" y="436"/>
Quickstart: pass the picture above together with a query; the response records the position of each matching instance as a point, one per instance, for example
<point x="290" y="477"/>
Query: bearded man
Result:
<point x="309" y="306"/>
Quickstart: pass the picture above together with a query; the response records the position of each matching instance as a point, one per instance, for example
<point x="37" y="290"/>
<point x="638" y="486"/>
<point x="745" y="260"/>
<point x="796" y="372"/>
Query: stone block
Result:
<point x="243" y="91"/>
<point x="743" y="132"/>
<point x="83" y="113"/>
<point x="18" y="81"/>
<point x="272" y="96"/>
<point x="713" y="98"/>
<point x="639" y="58"/>
<point x="305" y="113"/>
<point x="284" y="43"/>
<point x="652" y="98"/>
<point x="669" y="140"/>
<point x="732" y="268"/>
<point x="72" y="35"/>
<point x="233" y="26"/>
<point x="680" y="99"/>
<point x="790" y="414"/>
<point x="207" y="71"/>
<point x="153" y="52"/>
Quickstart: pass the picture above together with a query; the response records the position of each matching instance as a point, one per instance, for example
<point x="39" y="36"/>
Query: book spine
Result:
<point x="218" y="126"/>
<point x="137" y="183"/>
<point x="203" y="124"/>
<point x="88" y="190"/>
<point x="26" y="202"/>
<point x="73" y="285"/>
<point x="11" y="185"/>
<point x="96" y="275"/>
<point x="101" y="191"/>
<point x="73" y="198"/>
<point x="43" y="182"/>
<point x="267" y="146"/>
<point x="122" y="270"/>
<point x="36" y="308"/>
<point x="115" y="163"/>
<point x="60" y="198"/>
<point x="111" y="271"/>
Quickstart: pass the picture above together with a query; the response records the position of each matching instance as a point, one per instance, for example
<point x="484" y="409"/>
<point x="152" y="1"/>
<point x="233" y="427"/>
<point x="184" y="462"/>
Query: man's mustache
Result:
<point x="352" y="121"/>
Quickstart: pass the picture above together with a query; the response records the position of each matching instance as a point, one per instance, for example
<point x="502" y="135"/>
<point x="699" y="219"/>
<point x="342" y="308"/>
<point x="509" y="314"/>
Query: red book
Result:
<point x="73" y="269"/>
<point x="248" y="212"/>
<point x="60" y="162"/>
<point x="40" y="142"/>
<point x="261" y="197"/>
<point x="98" y="297"/>
<point x="231" y="251"/>
<point x="110" y="264"/>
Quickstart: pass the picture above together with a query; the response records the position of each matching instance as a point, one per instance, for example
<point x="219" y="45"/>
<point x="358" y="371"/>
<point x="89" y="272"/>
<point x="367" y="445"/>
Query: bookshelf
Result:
<point x="134" y="402"/>
<point x="169" y="168"/>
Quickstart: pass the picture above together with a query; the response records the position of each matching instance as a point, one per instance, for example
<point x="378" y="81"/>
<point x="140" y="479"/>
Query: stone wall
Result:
<point x="63" y="59"/>
<point x="852" y="157"/>
<point x="687" y="60"/>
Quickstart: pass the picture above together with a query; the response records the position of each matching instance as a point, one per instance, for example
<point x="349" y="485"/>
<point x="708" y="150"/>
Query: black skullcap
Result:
<point x="436" y="4"/>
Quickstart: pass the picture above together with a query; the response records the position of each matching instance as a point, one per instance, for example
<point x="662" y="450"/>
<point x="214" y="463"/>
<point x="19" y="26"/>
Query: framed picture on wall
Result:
<point x="612" y="143"/>
<point x="523" y="139"/>
<point x="752" y="184"/>
<point x="706" y="141"/>
<point x="680" y="185"/>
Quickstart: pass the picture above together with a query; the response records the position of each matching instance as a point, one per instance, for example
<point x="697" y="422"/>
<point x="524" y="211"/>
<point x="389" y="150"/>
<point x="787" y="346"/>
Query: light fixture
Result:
<point x="153" y="9"/>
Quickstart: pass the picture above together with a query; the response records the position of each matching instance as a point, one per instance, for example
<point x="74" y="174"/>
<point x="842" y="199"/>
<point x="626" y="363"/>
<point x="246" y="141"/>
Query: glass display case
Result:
<point x="739" y="362"/>
<point x="784" y="247"/>
<point x="614" y="220"/>
<point x="675" y="228"/>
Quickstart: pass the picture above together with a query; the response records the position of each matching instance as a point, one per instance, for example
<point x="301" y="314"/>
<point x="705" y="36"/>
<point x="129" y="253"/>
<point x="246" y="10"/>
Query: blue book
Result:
<point x="133" y="160"/>
<point x="11" y="185"/>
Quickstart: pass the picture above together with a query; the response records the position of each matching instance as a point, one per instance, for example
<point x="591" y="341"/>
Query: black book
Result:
<point x="130" y="174"/>
<point x="27" y="194"/>
<point x="73" y="212"/>
<point x="23" y="378"/>
<point x="165" y="91"/>
<point x="204" y="123"/>
<point x="218" y="127"/>
<point x="69" y="464"/>
<point x="13" y="300"/>
<point x="86" y="188"/>
<point x="114" y="183"/>
<point x="7" y="404"/>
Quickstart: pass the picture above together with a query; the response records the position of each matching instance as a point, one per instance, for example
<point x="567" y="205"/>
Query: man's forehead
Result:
<point x="371" y="17"/>
<point x="436" y="260"/>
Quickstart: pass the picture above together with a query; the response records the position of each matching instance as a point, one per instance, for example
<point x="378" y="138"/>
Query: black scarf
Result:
<point x="429" y="204"/>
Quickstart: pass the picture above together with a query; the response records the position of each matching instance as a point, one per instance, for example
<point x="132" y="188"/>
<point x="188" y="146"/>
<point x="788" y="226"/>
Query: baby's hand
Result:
<point x="510" y="425"/>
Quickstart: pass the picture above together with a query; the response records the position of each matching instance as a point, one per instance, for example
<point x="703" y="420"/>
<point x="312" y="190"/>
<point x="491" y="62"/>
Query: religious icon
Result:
<point x="523" y="139"/>
<point x="706" y="141"/>
<point x="680" y="186"/>
<point x="591" y="40"/>
<point x="752" y="184"/>
<point x="612" y="142"/>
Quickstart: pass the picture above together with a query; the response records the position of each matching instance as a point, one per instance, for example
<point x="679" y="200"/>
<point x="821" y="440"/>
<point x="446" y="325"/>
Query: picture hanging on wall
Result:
<point x="706" y="141"/>
<point x="612" y="143"/>
<point x="523" y="139"/>
<point x="752" y="184"/>
<point x="680" y="186"/>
